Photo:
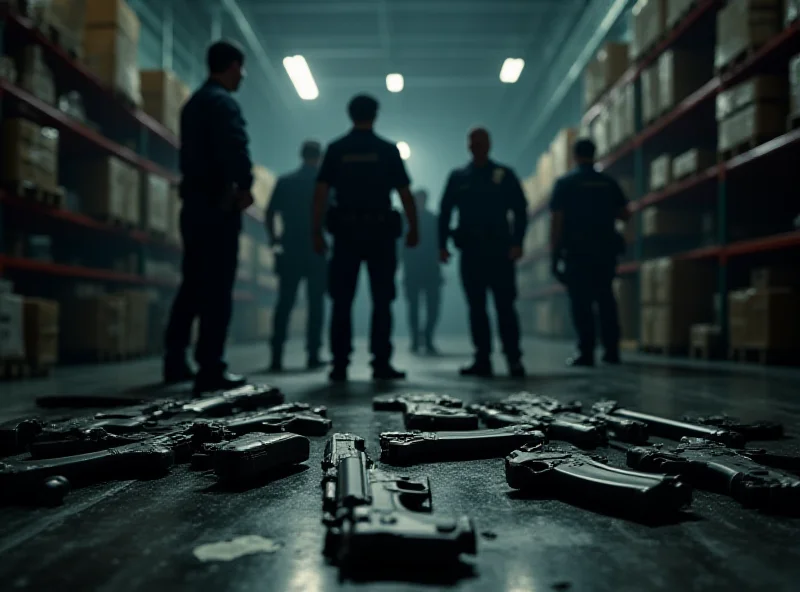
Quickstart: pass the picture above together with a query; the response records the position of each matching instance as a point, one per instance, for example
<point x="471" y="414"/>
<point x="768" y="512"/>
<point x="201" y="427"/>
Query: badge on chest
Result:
<point x="498" y="175"/>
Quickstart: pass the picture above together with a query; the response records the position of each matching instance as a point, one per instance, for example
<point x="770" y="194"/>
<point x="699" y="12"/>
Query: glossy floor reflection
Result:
<point x="141" y="535"/>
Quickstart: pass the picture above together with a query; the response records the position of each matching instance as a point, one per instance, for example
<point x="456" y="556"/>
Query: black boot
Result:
<point x="612" y="358"/>
<point x="338" y="374"/>
<point x="176" y="372"/>
<point x="314" y="363"/>
<point x="386" y="372"/>
<point x="581" y="361"/>
<point x="516" y="369"/>
<point x="207" y="383"/>
<point x="480" y="369"/>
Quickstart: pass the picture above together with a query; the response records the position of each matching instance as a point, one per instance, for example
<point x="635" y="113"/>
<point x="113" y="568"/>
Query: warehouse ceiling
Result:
<point x="449" y="51"/>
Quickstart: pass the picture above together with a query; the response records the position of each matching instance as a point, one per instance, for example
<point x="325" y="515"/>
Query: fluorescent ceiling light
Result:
<point x="511" y="70"/>
<point x="395" y="83"/>
<point x="405" y="150"/>
<point x="300" y="74"/>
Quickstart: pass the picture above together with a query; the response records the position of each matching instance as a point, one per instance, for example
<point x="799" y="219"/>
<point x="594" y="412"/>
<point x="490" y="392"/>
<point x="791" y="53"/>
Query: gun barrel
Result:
<point x="675" y="430"/>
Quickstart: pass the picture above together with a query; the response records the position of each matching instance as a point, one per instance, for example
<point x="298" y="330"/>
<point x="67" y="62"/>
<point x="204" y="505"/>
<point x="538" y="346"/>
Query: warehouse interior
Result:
<point x="694" y="107"/>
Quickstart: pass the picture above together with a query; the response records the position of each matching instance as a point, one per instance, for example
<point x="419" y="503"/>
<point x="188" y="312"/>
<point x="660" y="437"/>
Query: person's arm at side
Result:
<point x="402" y="183"/>
<point x="275" y="206"/>
<point x="557" y="227"/>
<point x="233" y="149"/>
<point x="325" y="179"/>
<point x="620" y="202"/>
<point x="445" y="215"/>
<point x="519" y="207"/>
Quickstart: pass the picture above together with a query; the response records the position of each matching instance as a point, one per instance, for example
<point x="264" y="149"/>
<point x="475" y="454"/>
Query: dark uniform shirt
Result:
<point x="292" y="199"/>
<point x="590" y="202"/>
<point x="363" y="169"/>
<point x="421" y="263"/>
<point x="214" y="145"/>
<point x="484" y="197"/>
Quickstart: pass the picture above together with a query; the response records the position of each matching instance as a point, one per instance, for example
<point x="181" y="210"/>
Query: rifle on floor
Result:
<point x="428" y="411"/>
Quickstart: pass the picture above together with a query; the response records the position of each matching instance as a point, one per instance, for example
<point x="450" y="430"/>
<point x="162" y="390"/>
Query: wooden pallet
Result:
<point x="53" y="198"/>
<point x="13" y="369"/>
<point x="668" y="351"/>
<point x="764" y="356"/>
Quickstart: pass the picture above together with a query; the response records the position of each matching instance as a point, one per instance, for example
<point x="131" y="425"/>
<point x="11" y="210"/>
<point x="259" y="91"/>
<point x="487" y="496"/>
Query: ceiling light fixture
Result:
<point x="511" y="70"/>
<point x="405" y="150"/>
<point x="300" y="74"/>
<point x="395" y="83"/>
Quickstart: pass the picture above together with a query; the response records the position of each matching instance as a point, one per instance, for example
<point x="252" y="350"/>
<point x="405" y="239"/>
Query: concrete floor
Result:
<point x="141" y="535"/>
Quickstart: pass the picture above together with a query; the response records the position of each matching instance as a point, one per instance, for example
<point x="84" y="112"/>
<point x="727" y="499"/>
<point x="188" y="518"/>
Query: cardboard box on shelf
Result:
<point x="794" y="85"/>
<point x="137" y="307"/>
<point x="660" y="221"/>
<point x="65" y="18"/>
<point x="751" y="126"/>
<point x="163" y="95"/>
<point x="738" y="307"/>
<point x="115" y="14"/>
<point x="622" y="122"/>
<point x="561" y="149"/>
<point x="34" y="76"/>
<point x="764" y="278"/>
<point x="670" y="326"/>
<point x="692" y="162"/>
<point x="41" y="332"/>
<point x="612" y="61"/>
<point x="758" y="89"/>
<point x="686" y="283"/>
<point x="654" y="23"/>
<point x="12" y="337"/>
<point x="591" y="83"/>
<point x="647" y="314"/>
<point x="625" y="292"/>
<point x="772" y="319"/>
<point x="647" y="282"/>
<point x="544" y="175"/>
<point x="601" y="132"/>
<point x="155" y="198"/>
<point x="680" y="73"/>
<point x="660" y="172"/>
<point x="30" y="153"/>
<point x="651" y="97"/>
<point x="745" y="25"/>
<point x="94" y="326"/>
<point x="104" y="185"/>
<point x="705" y="336"/>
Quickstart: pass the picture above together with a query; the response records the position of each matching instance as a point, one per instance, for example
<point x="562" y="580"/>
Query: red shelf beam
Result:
<point x="775" y="242"/>
<point x="677" y="188"/>
<point x="26" y="27"/>
<point x="57" y="269"/>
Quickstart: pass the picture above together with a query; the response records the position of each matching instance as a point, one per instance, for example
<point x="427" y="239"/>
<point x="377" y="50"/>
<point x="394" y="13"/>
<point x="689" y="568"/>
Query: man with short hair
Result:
<point x="485" y="193"/>
<point x="291" y="200"/>
<point x="585" y="206"/>
<point x="363" y="169"/>
<point x="215" y="189"/>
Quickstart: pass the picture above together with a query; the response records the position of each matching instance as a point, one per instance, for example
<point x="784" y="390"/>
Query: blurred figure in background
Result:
<point x="215" y="189"/>
<point x="423" y="277"/>
<point x="295" y="256"/>
<point x="485" y="193"/>
<point x="583" y="239"/>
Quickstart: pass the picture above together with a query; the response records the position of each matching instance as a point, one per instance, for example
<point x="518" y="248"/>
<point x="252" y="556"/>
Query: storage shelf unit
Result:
<point x="629" y="155"/>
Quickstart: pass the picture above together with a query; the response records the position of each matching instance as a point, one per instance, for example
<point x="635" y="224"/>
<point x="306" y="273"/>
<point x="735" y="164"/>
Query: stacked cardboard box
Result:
<point x="660" y="172"/>
<point x="674" y="295"/>
<point x="137" y="307"/>
<point x="751" y="112"/>
<point x="625" y="292"/>
<point x="794" y="86"/>
<point x="621" y="114"/>
<point x="263" y="185"/>
<point x="680" y="73"/>
<point x="12" y="337"/>
<point x="544" y="178"/>
<point x="30" y="153"/>
<point x="660" y="221"/>
<point x="649" y="20"/>
<point x="246" y="258"/>
<point x="676" y="10"/>
<point x="34" y="75"/>
<point x="601" y="132"/>
<point x="155" y="200"/>
<point x="110" y="46"/>
<point x="109" y="189"/>
<point x="41" y="332"/>
<point x="707" y="338"/>
<point x="651" y="97"/>
<point x="608" y="66"/>
<point x="692" y="162"/>
<point x="67" y="18"/>
<point x="94" y="326"/>
<point x="561" y="149"/>
<point x="163" y="96"/>
<point x="745" y="25"/>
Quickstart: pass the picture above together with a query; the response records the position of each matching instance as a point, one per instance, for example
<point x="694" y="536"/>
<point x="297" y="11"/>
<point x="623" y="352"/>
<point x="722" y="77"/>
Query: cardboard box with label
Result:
<point x="155" y="201"/>
<point x="651" y="96"/>
<point x="745" y="25"/>
<point x="163" y="96"/>
<point x="752" y="125"/>
<point x="66" y="17"/>
<point x="758" y="89"/>
<point x="30" y="153"/>
<point x="692" y="162"/>
<point x="41" y="332"/>
<point x="680" y="73"/>
<point x="12" y="338"/>
<point x="660" y="172"/>
<point x="107" y="187"/>
<point x="137" y="306"/>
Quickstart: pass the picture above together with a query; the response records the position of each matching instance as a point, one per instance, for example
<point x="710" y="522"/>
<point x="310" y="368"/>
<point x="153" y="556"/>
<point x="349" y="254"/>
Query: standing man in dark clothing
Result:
<point x="485" y="192"/>
<point x="585" y="206"/>
<point x="363" y="169"/>
<point x="215" y="189"/>
<point x="423" y="275"/>
<point x="291" y="199"/>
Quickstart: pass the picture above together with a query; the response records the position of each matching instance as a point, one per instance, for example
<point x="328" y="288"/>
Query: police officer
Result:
<point x="485" y="192"/>
<point x="291" y="199"/>
<point x="362" y="169"/>
<point x="215" y="189"/>
<point x="585" y="206"/>
<point x="423" y="276"/>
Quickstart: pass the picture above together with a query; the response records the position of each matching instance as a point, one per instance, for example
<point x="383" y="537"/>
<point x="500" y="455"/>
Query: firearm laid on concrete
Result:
<point x="403" y="448"/>
<point x="428" y="411"/>
<point x="757" y="430"/>
<point x="714" y="467"/>
<point x="567" y="473"/>
<point x="373" y="516"/>
<point x="252" y="455"/>
<point x="671" y="428"/>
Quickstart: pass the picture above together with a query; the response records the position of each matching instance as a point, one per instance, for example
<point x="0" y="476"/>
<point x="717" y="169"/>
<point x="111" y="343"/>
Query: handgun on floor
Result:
<point x="567" y="473"/>
<point x="375" y="516"/>
<point x="402" y="448"/>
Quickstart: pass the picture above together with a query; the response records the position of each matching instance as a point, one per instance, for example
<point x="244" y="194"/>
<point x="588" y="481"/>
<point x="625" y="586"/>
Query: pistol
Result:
<point x="372" y="515"/>
<point x="567" y="473"/>
<point x="402" y="448"/>
<point x="670" y="428"/>
<point x="252" y="455"/>
<point x="712" y="466"/>
<point x="757" y="430"/>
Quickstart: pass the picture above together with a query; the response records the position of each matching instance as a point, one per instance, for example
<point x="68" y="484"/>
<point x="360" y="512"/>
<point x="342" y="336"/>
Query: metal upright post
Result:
<point x="639" y="179"/>
<point x="722" y="240"/>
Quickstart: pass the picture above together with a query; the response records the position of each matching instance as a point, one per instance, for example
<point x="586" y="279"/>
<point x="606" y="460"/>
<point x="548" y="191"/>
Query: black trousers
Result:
<point x="590" y="283"/>
<point x="292" y="269"/>
<point x="432" y="292"/>
<point x="210" y="259"/>
<point x="484" y="271"/>
<point x="380" y="255"/>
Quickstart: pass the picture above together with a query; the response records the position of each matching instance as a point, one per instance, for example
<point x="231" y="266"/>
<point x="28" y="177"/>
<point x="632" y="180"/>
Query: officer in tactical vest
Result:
<point x="485" y="193"/>
<point x="362" y="169"/>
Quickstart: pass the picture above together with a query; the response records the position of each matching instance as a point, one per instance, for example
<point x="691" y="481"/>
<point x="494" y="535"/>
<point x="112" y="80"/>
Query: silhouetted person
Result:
<point x="585" y="206"/>
<point x="485" y="193"/>
<point x="363" y="169"/>
<point x="215" y="189"/>
<point x="423" y="277"/>
<point x="297" y="260"/>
